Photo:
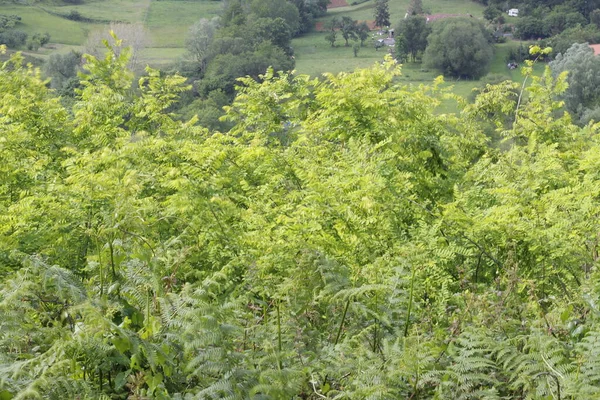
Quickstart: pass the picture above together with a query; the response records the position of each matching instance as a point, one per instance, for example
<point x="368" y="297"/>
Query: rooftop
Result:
<point x="596" y="48"/>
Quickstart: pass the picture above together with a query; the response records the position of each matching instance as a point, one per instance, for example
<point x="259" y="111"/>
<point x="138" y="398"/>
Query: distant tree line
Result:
<point x="349" y="29"/>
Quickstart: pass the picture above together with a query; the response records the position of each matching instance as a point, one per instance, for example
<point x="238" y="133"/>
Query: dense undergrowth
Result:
<point x="342" y="241"/>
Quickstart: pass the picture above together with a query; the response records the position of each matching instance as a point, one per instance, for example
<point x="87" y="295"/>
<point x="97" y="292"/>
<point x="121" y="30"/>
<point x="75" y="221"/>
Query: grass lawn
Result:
<point x="61" y="30"/>
<point x="314" y="55"/>
<point x="109" y="10"/>
<point x="169" y="21"/>
<point x="398" y="9"/>
<point x="159" y="57"/>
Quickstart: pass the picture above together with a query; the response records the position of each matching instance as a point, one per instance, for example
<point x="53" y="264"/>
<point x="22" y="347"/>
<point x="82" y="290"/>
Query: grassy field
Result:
<point x="36" y="20"/>
<point x="159" y="57"/>
<point x="169" y="21"/>
<point x="314" y="55"/>
<point x="108" y="10"/>
<point x="398" y="9"/>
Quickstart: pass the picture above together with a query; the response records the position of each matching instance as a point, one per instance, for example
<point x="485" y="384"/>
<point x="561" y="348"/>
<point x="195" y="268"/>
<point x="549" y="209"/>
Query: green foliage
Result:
<point x="331" y="37"/>
<point x="348" y="28"/>
<point x="363" y="31"/>
<point x="278" y="9"/>
<point x="586" y="34"/>
<point x="62" y="69"/>
<point x="8" y="22"/>
<point x="8" y="35"/>
<point x="415" y="31"/>
<point x="382" y="13"/>
<point x="401" y="48"/>
<point x="530" y="27"/>
<point x="341" y="240"/>
<point x="493" y="14"/>
<point x="459" y="47"/>
<point x="13" y="38"/>
<point x="581" y="97"/>
<point x="199" y="40"/>
<point x="415" y="7"/>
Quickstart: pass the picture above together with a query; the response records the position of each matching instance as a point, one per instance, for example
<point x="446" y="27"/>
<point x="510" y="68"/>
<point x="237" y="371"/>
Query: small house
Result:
<point x="596" y="48"/>
<point x="513" y="12"/>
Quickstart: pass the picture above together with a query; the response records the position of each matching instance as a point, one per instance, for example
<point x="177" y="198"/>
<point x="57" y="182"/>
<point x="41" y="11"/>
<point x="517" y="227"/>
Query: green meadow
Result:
<point x="169" y="21"/>
<point x="36" y="20"/>
<point x="364" y="11"/>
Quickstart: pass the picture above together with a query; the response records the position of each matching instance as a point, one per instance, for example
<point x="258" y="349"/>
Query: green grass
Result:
<point x="314" y="55"/>
<point x="169" y="21"/>
<point x="109" y="10"/>
<point x="159" y="57"/>
<point x="398" y="9"/>
<point x="61" y="30"/>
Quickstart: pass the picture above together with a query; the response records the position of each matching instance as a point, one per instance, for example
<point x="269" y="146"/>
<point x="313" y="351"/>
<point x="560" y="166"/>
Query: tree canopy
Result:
<point x="581" y="98"/>
<point x="415" y="30"/>
<point x="459" y="47"/>
<point x="382" y="13"/>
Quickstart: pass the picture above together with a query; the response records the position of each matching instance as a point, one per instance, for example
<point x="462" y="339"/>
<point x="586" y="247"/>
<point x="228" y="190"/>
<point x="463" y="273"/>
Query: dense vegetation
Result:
<point x="342" y="240"/>
<point x="459" y="47"/>
<point x="543" y="19"/>
<point x="8" y="34"/>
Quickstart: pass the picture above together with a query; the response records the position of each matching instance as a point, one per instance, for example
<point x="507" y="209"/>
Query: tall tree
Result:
<point x="133" y="36"/>
<point x="199" y="39"/>
<point x="401" y="47"/>
<point x="382" y="13"/>
<point x="61" y="68"/>
<point x="348" y="28"/>
<point x="582" y="98"/>
<point x="415" y="30"/>
<point x="362" y="31"/>
<point x="415" y="7"/>
<point x="459" y="47"/>
<point x="278" y="9"/>
<point x="333" y="26"/>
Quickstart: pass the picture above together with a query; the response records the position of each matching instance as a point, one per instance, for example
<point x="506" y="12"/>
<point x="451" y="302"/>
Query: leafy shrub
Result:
<point x="75" y="15"/>
<point x="8" y="21"/>
<point x="13" y="38"/>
